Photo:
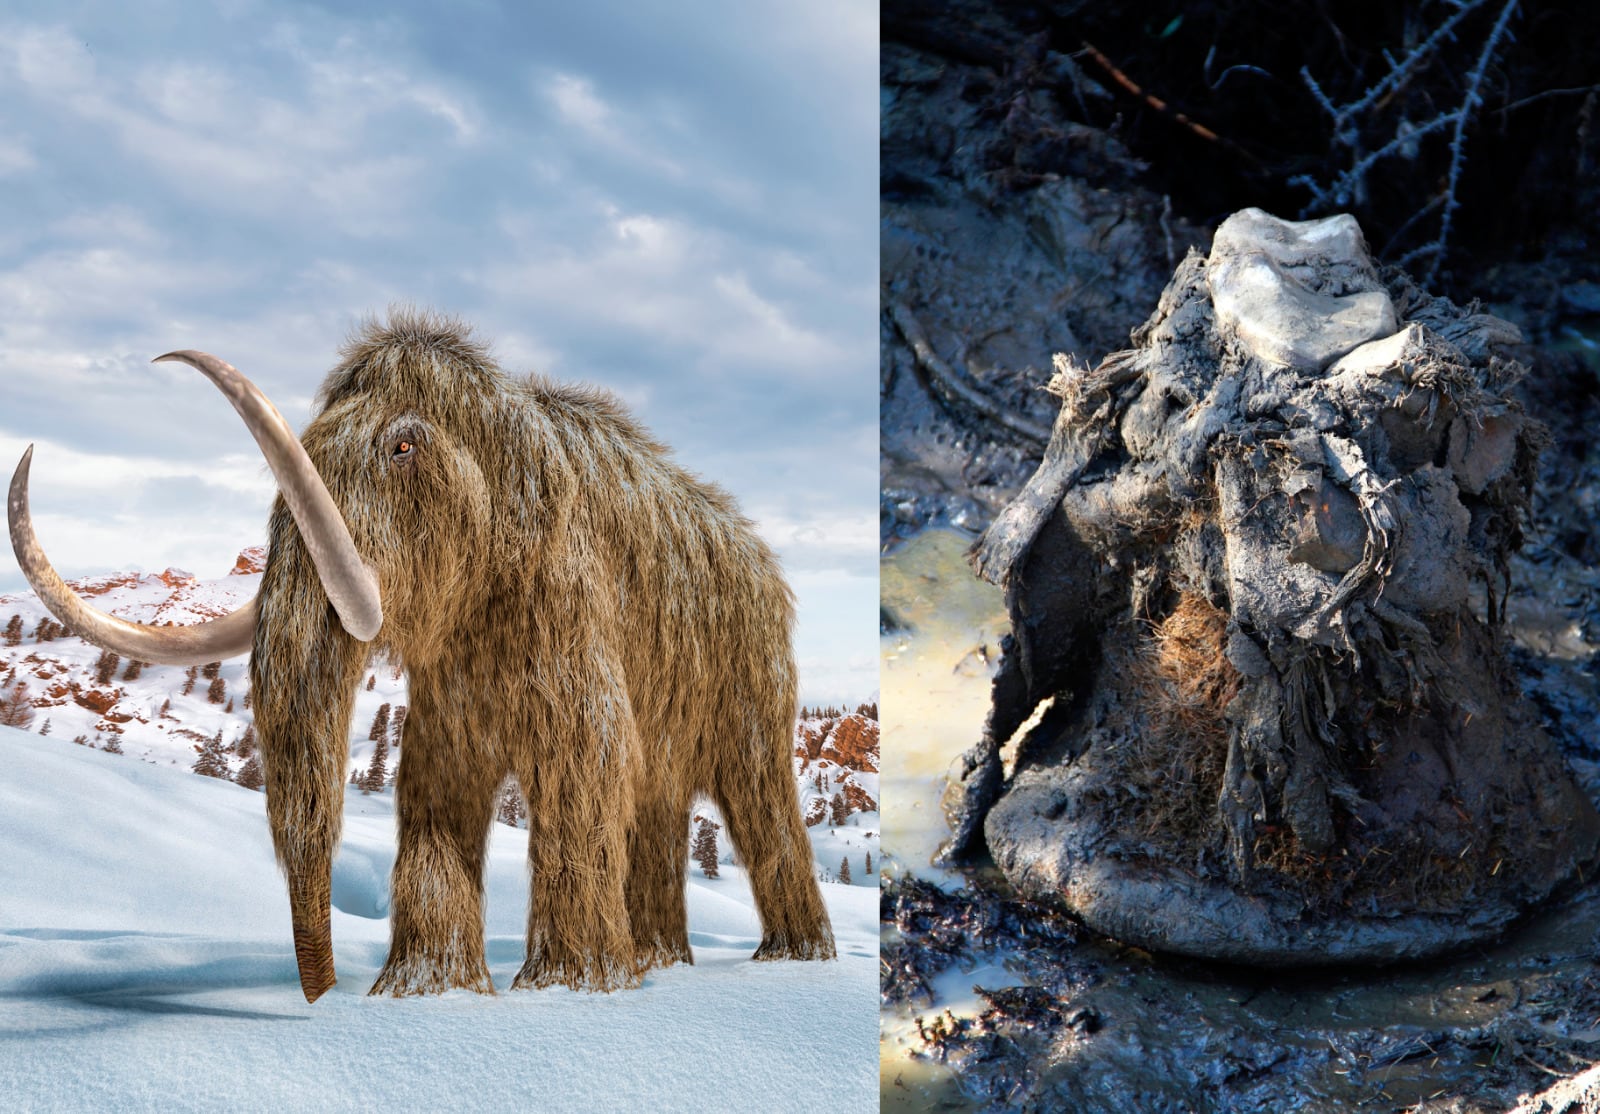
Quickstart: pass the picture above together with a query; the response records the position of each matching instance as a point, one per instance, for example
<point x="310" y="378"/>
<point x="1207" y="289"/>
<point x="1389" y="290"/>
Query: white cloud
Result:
<point x="15" y="157"/>
<point x="74" y="472"/>
<point x="575" y="99"/>
<point x="51" y="60"/>
<point x="665" y="280"/>
<point x="833" y="540"/>
<point x="630" y="136"/>
<point x="309" y="139"/>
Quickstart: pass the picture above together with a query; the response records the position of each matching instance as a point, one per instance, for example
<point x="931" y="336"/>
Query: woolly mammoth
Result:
<point x="571" y="608"/>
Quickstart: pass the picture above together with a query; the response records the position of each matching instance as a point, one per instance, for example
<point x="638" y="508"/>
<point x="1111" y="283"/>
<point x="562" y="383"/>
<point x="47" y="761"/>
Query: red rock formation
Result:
<point x="854" y="743"/>
<point x="858" y="798"/>
<point x="251" y="560"/>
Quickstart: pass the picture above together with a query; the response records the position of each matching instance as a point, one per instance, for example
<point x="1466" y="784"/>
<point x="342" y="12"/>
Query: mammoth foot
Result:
<point x="795" y="945"/>
<point x="602" y="974"/>
<point x="664" y="953"/>
<point x="414" y="974"/>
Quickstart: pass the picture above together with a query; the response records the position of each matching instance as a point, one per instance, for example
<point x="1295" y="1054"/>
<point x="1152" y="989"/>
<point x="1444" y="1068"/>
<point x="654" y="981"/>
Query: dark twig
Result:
<point x="1458" y="146"/>
<point x="1128" y="85"/>
<point x="1350" y="184"/>
<point x="1525" y="101"/>
<point x="953" y="382"/>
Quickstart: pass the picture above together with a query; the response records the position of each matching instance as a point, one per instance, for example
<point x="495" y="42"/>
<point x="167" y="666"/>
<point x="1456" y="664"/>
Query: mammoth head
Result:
<point x="351" y="586"/>
<point x="409" y="433"/>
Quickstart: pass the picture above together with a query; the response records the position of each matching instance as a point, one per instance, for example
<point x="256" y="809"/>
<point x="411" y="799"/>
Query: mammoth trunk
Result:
<point x="303" y="672"/>
<point x="313" y="936"/>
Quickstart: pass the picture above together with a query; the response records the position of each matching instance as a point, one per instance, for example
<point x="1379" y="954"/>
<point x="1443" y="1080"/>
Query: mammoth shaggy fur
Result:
<point x="571" y="609"/>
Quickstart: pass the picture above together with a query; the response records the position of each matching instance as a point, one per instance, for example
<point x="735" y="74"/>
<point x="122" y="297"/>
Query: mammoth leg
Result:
<point x="578" y="776"/>
<point x="658" y="847"/>
<point x="445" y="794"/>
<point x="755" y="792"/>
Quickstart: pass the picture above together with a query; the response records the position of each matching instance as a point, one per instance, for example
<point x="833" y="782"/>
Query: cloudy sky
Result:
<point x="676" y="201"/>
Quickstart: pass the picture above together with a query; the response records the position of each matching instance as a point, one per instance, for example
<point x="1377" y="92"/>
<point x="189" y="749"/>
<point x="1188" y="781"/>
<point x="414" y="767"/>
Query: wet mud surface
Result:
<point x="1011" y="231"/>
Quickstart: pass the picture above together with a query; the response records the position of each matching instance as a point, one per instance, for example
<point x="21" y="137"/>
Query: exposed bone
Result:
<point x="198" y="644"/>
<point x="1258" y="273"/>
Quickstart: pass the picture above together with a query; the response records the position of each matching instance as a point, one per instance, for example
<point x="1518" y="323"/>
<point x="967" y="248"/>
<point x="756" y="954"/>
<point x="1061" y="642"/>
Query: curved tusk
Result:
<point x="351" y="586"/>
<point x="205" y="642"/>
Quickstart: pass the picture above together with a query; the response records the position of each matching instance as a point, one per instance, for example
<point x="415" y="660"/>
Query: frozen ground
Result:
<point x="145" y="963"/>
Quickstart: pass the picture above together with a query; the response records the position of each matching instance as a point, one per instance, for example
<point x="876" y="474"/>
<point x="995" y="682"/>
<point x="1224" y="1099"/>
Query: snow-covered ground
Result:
<point x="146" y="964"/>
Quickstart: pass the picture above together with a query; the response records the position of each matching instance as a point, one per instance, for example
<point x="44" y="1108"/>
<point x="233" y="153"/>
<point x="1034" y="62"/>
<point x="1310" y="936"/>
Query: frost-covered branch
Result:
<point x="1349" y="186"/>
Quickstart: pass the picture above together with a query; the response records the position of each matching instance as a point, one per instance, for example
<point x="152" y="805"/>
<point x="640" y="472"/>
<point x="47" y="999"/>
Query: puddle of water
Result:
<point x="934" y="669"/>
<point x="934" y="676"/>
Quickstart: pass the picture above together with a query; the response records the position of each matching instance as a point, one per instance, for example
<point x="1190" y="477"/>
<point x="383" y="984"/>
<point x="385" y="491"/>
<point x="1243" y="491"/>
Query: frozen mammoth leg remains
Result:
<point x="1284" y="729"/>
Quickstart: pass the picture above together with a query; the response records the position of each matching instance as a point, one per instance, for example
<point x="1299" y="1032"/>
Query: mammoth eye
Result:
<point x="404" y="447"/>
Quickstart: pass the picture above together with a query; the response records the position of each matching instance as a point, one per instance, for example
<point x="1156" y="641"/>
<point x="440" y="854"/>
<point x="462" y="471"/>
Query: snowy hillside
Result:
<point x="146" y="964"/>
<point x="162" y="714"/>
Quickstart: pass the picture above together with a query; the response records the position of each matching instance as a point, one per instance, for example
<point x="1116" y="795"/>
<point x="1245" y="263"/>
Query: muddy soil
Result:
<point x="1018" y="223"/>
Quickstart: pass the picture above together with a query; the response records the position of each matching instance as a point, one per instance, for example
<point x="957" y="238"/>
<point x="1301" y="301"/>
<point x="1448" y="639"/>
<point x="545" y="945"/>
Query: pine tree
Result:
<point x="135" y="668"/>
<point x="398" y="721"/>
<point x="113" y="745"/>
<point x="512" y="809"/>
<point x="211" y="762"/>
<point x="188" y="682"/>
<point x="378" y="772"/>
<point x="839" y="809"/>
<point x="229" y="708"/>
<point x="16" y="709"/>
<point x="867" y="870"/>
<point x="14" y="630"/>
<point x="380" y="724"/>
<point x="166" y="709"/>
<point x="372" y="679"/>
<point x="247" y="700"/>
<point x="844" y="870"/>
<point x="81" y="740"/>
<point x="45" y="730"/>
<point x="250" y="775"/>
<point x="246" y="746"/>
<point x="217" y="691"/>
<point x="705" y="847"/>
<point x="105" y="665"/>
<point x="210" y="670"/>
